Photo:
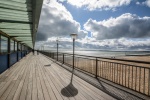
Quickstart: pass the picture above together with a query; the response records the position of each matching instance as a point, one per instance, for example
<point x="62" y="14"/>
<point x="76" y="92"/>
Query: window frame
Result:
<point x="15" y="46"/>
<point x="1" y="53"/>
<point x="0" y="43"/>
<point x="11" y="42"/>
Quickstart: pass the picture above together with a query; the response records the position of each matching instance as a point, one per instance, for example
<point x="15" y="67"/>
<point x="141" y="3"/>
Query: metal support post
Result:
<point x="73" y="52"/>
<point x="17" y="51"/>
<point x="63" y="59"/>
<point x="57" y="51"/>
<point x="96" y="67"/>
<point x="8" y="52"/>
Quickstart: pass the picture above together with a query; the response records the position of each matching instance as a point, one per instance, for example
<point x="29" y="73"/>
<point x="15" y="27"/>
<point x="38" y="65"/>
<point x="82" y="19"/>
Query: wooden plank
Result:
<point x="18" y="91"/>
<point x="83" y="82"/>
<point x="80" y="83"/>
<point x="6" y="93"/>
<point x="50" y="91"/>
<point x="79" y="96"/>
<point x="80" y="89"/>
<point x="18" y="79"/>
<point x="58" y="85"/>
<point x="39" y="87"/>
<point x="13" y="90"/>
<point x="26" y="79"/>
<point x="29" y="89"/>
<point x="56" y="92"/>
<point x="43" y="84"/>
<point x="34" y="86"/>
<point x="31" y="80"/>
<point x="7" y="83"/>
<point x="92" y="90"/>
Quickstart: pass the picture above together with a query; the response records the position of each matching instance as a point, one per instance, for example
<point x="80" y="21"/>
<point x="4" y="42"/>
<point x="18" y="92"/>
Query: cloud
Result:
<point x="127" y="25"/>
<point x="147" y="2"/>
<point x="138" y="3"/>
<point x="91" y="43"/>
<point x="125" y="32"/>
<point x="99" y="4"/>
<point x="56" y="20"/>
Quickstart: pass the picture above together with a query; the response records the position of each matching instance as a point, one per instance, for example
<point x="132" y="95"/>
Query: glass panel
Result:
<point x="22" y="47"/>
<point x="25" y="48"/>
<point x="12" y="15"/>
<point x="15" y="46"/>
<point x="14" y="18"/>
<point x="15" y="11"/>
<point x="11" y="46"/>
<point x="15" y="8"/>
<point x="4" y="44"/>
<point x="11" y="3"/>
<point x="16" y="31"/>
<point x="15" y="26"/>
<point x="19" y="47"/>
<point x="20" y="34"/>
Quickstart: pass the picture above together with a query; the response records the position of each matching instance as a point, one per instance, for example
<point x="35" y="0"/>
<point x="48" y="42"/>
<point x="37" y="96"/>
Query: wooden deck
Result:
<point x="35" y="77"/>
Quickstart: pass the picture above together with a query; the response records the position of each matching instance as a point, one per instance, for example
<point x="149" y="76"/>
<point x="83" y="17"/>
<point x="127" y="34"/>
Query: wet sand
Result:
<point x="137" y="58"/>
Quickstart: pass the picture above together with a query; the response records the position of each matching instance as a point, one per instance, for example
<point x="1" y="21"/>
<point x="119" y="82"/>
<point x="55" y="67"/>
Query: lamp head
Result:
<point x="57" y="40"/>
<point x="73" y="35"/>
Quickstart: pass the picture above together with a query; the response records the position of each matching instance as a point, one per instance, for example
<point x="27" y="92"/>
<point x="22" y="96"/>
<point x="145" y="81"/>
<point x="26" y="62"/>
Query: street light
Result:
<point x="42" y="48"/>
<point x="57" y="48"/>
<point x="73" y="37"/>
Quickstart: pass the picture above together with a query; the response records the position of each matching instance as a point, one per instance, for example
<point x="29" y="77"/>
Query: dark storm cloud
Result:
<point x="41" y="37"/>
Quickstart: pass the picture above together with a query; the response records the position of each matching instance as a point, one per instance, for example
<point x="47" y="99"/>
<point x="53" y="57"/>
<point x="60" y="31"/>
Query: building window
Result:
<point x="4" y="44"/>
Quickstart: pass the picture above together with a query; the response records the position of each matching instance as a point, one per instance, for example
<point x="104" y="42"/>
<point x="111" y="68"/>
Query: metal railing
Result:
<point x="120" y="71"/>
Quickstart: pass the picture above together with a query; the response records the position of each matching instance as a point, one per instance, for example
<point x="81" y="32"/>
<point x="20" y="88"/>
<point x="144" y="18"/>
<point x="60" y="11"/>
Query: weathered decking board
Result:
<point x="37" y="78"/>
<point x="117" y="91"/>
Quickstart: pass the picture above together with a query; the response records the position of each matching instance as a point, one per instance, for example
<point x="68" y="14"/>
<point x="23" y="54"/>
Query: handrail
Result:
<point x="145" y="62"/>
<point x="130" y="76"/>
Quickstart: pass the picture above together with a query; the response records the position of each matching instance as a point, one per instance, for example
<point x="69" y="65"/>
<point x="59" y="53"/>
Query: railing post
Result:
<point x="149" y="83"/>
<point x="57" y="50"/>
<point x="96" y="67"/>
<point x="63" y="58"/>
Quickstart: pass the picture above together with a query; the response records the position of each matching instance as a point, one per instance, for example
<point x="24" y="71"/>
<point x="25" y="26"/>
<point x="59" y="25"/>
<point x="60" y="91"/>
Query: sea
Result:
<point x="98" y="53"/>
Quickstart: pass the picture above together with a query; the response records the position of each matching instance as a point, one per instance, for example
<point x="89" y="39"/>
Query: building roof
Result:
<point x="20" y="18"/>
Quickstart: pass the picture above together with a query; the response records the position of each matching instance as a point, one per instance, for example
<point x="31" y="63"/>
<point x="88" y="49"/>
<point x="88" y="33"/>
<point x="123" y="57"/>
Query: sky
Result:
<point x="100" y="24"/>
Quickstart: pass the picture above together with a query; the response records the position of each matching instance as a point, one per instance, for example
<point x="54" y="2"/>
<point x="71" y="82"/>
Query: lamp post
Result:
<point x="57" y="48"/>
<point x="73" y="37"/>
<point x="42" y="48"/>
